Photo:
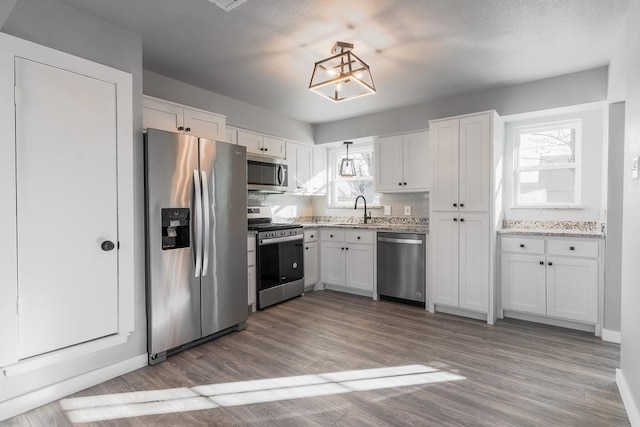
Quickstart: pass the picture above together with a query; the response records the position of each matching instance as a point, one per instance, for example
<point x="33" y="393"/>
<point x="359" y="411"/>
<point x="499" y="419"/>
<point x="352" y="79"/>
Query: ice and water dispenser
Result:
<point x="175" y="228"/>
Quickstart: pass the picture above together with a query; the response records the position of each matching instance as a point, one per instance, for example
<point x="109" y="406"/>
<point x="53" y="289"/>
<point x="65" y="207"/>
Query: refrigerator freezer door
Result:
<point x="173" y="290"/>
<point x="224" y="287"/>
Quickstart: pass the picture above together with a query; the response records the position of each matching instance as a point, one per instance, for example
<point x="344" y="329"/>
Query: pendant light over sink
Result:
<point x="342" y="76"/>
<point x="347" y="167"/>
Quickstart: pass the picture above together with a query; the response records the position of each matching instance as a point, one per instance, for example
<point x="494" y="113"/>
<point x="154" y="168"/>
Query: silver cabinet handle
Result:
<point x="197" y="191"/>
<point x="206" y="208"/>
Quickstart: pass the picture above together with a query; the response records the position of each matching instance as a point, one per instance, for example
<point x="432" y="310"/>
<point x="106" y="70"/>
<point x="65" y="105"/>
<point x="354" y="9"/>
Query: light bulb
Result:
<point x="339" y="87"/>
<point x="359" y="74"/>
<point x="331" y="72"/>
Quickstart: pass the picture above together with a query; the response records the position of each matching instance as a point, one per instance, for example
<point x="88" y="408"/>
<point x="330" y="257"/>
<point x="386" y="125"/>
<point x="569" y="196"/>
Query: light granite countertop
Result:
<point x="548" y="232"/>
<point x="592" y="229"/>
<point x="400" y="228"/>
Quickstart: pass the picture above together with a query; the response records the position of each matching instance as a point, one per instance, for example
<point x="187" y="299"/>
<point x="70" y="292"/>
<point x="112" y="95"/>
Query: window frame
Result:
<point x="576" y="165"/>
<point x="333" y="171"/>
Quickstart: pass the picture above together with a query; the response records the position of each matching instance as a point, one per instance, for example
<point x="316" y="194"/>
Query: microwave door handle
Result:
<point x="197" y="209"/>
<point x="281" y="175"/>
<point x="206" y="209"/>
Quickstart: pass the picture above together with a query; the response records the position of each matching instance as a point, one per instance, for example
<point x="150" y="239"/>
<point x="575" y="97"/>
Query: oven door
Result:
<point x="280" y="270"/>
<point x="280" y="260"/>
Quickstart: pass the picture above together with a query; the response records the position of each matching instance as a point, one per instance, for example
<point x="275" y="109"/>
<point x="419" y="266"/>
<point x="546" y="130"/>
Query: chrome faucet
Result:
<point x="365" y="208"/>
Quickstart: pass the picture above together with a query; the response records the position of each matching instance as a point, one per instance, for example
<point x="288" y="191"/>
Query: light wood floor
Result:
<point x="517" y="373"/>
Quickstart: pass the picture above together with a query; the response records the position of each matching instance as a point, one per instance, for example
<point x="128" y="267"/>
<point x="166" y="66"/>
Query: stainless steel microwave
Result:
<point x="267" y="174"/>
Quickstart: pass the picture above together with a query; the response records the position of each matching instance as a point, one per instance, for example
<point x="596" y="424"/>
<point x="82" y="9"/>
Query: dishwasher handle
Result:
<point x="405" y="241"/>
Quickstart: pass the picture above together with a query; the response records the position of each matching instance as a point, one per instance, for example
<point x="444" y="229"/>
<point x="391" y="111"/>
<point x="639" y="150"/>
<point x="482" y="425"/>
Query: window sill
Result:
<point x="574" y="207"/>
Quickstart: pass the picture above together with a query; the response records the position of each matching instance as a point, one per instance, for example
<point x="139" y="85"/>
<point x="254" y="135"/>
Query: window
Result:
<point x="344" y="190"/>
<point x="547" y="164"/>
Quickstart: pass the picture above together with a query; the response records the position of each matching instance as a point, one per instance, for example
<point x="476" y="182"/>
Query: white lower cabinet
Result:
<point x="460" y="260"/>
<point x="251" y="271"/>
<point x="347" y="259"/>
<point x="551" y="277"/>
<point x="311" y="257"/>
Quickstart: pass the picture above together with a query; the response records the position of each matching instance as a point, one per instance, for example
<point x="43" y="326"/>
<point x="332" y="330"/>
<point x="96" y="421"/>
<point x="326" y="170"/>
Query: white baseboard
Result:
<point x="627" y="398"/>
<point x="611" y="336"/>
<point x="26" y="402"/>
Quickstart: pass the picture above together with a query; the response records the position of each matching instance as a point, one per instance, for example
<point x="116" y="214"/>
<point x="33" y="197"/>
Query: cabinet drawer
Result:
<point x="572" y="248"/>
<point x="359" y="236"/>
<point x="311" y="235"/>
<point x="332" y="235"/>
<point x="524" y="246"/>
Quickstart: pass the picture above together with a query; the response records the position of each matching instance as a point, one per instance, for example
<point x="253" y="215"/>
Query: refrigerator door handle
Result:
<point x="197" y="191"/>
<point x="206" y="209"/>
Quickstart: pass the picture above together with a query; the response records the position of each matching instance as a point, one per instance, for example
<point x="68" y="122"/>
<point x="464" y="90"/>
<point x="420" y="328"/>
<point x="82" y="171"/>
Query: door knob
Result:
<point x="107" y="245"/>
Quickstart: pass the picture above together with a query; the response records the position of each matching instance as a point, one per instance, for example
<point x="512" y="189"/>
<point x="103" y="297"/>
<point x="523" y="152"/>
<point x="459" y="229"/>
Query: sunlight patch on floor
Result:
<point x="155" y="402"/>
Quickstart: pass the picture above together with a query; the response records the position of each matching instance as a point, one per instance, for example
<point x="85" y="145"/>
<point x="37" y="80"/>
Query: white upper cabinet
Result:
<point x="319" y="171"/>
<point x="307" y="169"/>
<point x="231" y="135"/>
<point x="461" y="166"/>
<point x="299" y="162"/>
<point x="172" y="117"/>
<point x="261" y="144"/>
<point x="402" y="163"/>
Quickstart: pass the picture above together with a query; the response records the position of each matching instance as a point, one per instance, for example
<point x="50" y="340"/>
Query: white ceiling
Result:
<point x="263" y="51"/>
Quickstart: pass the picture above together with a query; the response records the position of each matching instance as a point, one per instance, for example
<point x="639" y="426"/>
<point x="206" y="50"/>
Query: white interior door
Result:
<point x="66" y="208"/>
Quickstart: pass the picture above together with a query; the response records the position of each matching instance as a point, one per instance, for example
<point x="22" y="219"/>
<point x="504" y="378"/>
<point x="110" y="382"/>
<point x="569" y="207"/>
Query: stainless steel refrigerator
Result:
<point x="196" y="240"/>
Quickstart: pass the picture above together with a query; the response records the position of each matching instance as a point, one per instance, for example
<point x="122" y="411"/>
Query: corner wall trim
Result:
<point x="627" y="398"/>
<point x="611" y="336"/>
<point x="26" y="402"/>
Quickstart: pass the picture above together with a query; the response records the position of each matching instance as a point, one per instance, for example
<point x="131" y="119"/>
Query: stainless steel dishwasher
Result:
<point x="401" y="266"/>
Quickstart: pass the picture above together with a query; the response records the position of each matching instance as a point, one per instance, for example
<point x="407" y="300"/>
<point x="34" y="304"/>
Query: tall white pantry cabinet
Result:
<point x="66" y="179"/>
<point x="464" y="212"/>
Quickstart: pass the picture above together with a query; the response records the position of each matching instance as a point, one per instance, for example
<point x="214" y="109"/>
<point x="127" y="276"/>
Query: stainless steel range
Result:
<point x="279" y="258"/>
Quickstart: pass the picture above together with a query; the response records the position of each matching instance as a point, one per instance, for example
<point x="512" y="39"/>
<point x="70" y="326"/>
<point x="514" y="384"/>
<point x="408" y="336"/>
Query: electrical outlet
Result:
<point x="387" y="210"/>
<point x="407" y="210"/>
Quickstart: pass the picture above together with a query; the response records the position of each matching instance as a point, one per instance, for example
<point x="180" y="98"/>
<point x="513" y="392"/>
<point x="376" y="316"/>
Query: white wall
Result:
<point x="571" y="89"/>
<point x="52" y="24"/>
<point x="613" y="262"/>
<point x="239" y="114"/>
<point x="593" y="146"/>
<point x="630" y="320"/>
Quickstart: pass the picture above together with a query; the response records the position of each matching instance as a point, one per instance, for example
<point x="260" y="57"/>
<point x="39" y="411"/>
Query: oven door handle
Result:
<point x="273" y="241"/>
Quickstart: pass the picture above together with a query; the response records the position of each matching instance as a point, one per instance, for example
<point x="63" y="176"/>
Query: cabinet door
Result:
<point x="572" y="288"/>
<point x="444" y="136"/>
<point x="299" y="161"/>
<point x="473" y="282"/>
<point x="388" y="158"/>
<point x="273" y="147"/>
<point x="204" y="125"/>
<point x="359" y="265"/>
<point x="443" y="252"/>
<point x="161" y="115"/>
<point x="311" y="271"/>
<point x="475" y="163"/>
<point x="252" y="141"/>
<point x="65" y="133"/>
<point x="332" y="267"/>
<point x="416" y="161"/>
<point x="230" y="135"/>
<point x="523" y="283"/>
<point x="319" y="171"/>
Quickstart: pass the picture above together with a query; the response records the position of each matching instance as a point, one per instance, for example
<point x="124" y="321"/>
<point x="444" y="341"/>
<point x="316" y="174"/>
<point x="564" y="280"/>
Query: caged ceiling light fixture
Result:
<point x="347" y="166"/>
<point x="342" y="76"/>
